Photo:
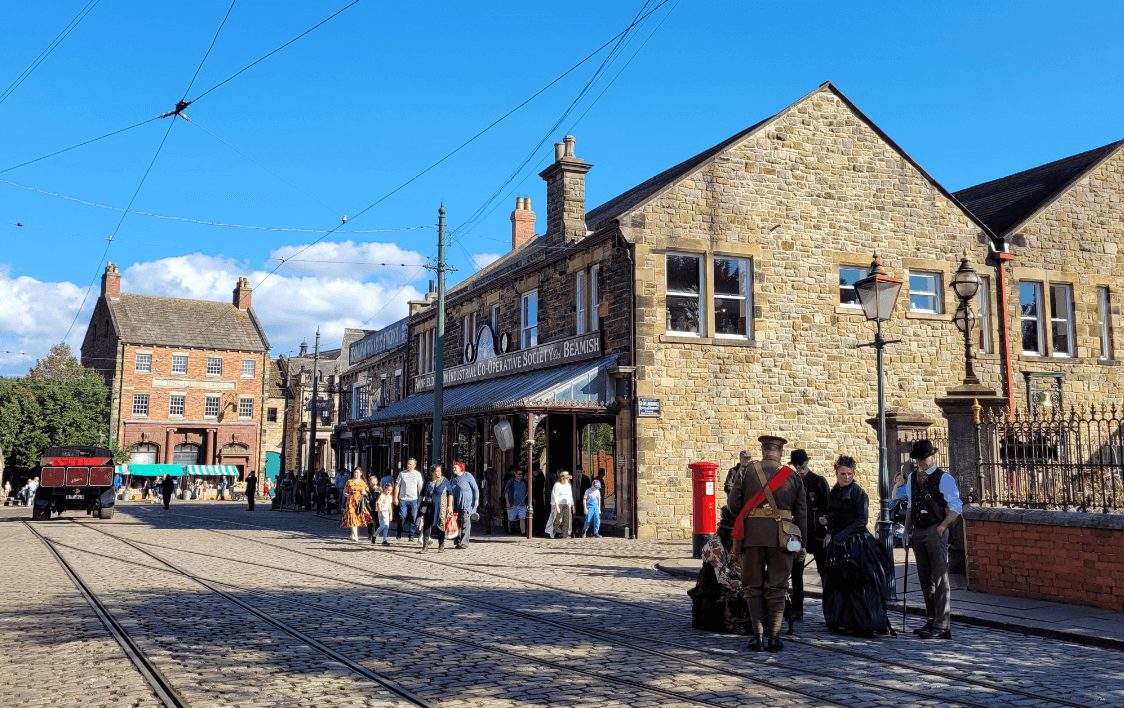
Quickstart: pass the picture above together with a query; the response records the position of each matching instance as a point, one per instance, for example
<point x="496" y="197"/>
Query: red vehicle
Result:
<point x="74" y="477"/>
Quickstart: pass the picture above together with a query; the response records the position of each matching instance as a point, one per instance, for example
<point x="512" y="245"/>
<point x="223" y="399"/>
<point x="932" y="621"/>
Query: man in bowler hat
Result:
<point x="934" y="505"/>
<point x="766" y="561"/>
<point x="815" y="492"/>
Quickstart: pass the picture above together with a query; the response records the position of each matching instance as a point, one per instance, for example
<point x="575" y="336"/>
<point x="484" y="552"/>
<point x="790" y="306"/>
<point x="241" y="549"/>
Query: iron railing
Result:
<point x="1067" y="460"/>
<point x="938" y="436"/>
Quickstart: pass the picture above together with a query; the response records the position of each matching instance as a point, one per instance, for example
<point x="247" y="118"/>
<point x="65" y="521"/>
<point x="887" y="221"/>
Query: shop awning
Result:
<point x="151" y="470"/>
<point x="581" y="385"/>
<point x="216" y="470"/>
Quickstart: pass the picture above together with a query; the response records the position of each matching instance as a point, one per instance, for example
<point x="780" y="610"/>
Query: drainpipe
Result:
<point x="633" y="503"/>
<point x="1001" y="257"/>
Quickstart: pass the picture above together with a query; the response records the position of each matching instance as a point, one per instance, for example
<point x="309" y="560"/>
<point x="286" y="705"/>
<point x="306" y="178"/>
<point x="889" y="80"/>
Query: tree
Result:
<point x="59" y="364"/>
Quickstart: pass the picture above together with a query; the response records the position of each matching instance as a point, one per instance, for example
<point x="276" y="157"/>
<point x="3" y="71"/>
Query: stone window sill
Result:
<point x="1108" y="362"/>
<point x="933" y="316"/>
<point x="854" y="311"/>
<point x="1053" y="359"/>
<point x="710" y="341"/>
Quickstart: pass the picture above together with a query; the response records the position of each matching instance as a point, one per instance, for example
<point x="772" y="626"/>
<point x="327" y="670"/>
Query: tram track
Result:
<point x="630" y="640"/>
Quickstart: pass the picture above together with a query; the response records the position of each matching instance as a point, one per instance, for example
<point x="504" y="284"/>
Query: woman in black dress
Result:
<point x="854" y="598"/>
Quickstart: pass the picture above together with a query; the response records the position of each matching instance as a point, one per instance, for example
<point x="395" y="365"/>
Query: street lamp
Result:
<point x="966" y="283"/>
<point x="878" y="293"/>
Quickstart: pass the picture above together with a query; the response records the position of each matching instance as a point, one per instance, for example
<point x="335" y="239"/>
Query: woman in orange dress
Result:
<point x="352" y="518"/>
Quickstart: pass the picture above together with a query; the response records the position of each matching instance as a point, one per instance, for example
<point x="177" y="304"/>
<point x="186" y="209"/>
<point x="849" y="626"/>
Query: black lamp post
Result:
<point x="966" y="283"/>
<point x="878" y="293"/>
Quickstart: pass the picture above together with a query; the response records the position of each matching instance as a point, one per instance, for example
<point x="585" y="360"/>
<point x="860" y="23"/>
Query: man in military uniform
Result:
<point x="934" y="505"/>
<point x="734" y="476"/>
<point x="765" y="530"/>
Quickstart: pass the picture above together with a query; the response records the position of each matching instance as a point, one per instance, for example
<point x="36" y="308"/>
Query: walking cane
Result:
<point x="905" y="580"/>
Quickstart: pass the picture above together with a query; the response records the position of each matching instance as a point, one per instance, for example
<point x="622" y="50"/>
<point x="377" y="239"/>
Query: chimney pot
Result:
<point x="569" y="141"/>
<point x="522" y="222"/>
<point x="242" y="294"/>
<point x="559" y="151"/>
<point x="111" y="282"/>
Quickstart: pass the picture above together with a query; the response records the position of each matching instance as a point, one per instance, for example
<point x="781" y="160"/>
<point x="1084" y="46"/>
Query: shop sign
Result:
<point x="379" y="342"/>
<point x="648" y="408"/>
<point x="564" y="351"/>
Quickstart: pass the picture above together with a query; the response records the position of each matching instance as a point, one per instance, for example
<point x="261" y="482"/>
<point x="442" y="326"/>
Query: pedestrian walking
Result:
<point x="815" y="491"/>
<point x="355" y="513"/>
<point x="769" y="531"/>
<point x="406" y="492"/>
<point x="286" y="490"/>
<point x="734" y="476"/>
<point x="591" y="503"/>
<point x="562" y="506"/>
<point x="267" y="487"/>
<point x="252" y="489"/>
<point x="322" y="484"/>
<point x="934" y="505"/>
<point x="435" y="505"/>
<point x="515" y="493"/>
<point x="466" y="498"/>
<point x="385" y="509"/>
<point x="167" y="488"/>
<point x="858" y="567"/>
<point x="117" y="484"/>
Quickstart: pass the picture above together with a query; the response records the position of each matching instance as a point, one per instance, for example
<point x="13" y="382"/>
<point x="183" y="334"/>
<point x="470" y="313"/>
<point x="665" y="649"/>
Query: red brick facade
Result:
<point x="1077" y="565"/>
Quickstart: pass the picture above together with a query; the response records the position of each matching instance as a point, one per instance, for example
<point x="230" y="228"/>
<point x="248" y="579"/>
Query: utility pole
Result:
<point x="439" y="343"/>
<point x="312" y="427"/>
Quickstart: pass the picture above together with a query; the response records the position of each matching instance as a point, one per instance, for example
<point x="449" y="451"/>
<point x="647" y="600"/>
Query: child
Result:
<point x="385" y="505"/>
<point x="592" y="503"/>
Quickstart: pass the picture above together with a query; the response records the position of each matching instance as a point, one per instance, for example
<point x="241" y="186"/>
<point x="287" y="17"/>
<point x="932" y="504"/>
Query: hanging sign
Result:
<point x="648" y="408"/>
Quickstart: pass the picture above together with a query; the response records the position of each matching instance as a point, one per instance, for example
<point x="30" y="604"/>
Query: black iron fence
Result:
<point x="1067" y="460"/>
<point x="906" y="438"/>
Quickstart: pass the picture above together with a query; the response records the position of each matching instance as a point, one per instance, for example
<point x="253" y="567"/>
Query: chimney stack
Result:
<point x="242" y="294"/>
<point x="522" y="222"/>
<point x="565" y="195"/>
<point x="111" y="282"/>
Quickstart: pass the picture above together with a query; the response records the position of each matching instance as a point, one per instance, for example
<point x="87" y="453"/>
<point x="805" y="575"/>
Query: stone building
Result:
<point x="373" y="376"/>
<point x="300" y="453"/>
<point x="273" y="426"/>
<point x="185" y="376"/>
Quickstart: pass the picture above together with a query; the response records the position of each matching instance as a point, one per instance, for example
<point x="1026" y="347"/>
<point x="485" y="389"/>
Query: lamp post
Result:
<point x="878" y="293"/>
<point x="966" y="283"/>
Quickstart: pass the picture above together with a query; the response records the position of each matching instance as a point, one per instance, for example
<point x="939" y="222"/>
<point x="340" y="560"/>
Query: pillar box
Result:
<point x="703" y="475"/>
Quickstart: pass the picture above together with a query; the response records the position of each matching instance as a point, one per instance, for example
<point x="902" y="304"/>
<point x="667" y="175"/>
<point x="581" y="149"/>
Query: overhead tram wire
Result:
<point x="70" y="27"/>
<point x="208" y="52"/>
<point x="87" y="142"/>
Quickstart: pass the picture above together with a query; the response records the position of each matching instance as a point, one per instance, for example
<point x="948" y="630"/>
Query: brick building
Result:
<point x="373" y="377"/>
<point x="185" y="376"/>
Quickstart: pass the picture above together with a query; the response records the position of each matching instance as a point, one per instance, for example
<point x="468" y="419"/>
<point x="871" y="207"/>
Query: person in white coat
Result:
<point x="561" y="507"/>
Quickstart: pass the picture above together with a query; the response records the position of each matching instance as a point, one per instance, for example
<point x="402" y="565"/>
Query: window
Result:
<point x="211" y="407"/>
<point x="1061" y="319"/>
<point x="529" y="319"/>
<point x="179" y="363"/>
<point x="924" y="292"/>
<point x="684" y="294"/>
<point x="1104" y="322"/>
<point x="176" y="404"/>
<point x="983" y="307"/>
<point x="144" y="363"/>
<point x="249" y="366"/>
<point x="245" y="408"/>
<point x="579" y="294"/>
<point x="732" y="305"/>
<point x="214" y="366"/>
<point x="384" y="392"/>
<point x="496" y="320"/>
<point x="431" y="351"/>
<point x="594" y="298"/>
<point x="271" y="415"/>
<point x="140" y="404"/>
<point x="397" y="386"/>
<point x="1030" y="314"/>
<point x="848" y="276"/>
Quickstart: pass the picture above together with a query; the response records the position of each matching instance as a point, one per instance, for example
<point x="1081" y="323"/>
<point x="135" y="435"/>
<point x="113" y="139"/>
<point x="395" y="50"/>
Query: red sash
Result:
<point x="775" y="483"/>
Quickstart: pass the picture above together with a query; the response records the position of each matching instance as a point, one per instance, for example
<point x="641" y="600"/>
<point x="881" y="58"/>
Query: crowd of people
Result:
<point x="781" y="517"/>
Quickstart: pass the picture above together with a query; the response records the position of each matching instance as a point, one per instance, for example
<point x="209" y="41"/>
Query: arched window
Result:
<point x="143" y="454"/>
<point x="186" y="454"/>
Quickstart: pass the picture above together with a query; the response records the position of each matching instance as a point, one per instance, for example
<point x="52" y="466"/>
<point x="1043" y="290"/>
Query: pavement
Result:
<point x="1091" y="626"/>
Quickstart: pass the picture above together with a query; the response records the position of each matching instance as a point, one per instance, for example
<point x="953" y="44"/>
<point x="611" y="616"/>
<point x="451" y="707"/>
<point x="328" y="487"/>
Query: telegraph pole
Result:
<point x="312" y="427"/>
<point x="439" y="340"/>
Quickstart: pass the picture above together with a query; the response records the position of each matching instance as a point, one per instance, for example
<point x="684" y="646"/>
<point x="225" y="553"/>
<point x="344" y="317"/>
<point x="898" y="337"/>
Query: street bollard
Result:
<point x="705" y="516"/>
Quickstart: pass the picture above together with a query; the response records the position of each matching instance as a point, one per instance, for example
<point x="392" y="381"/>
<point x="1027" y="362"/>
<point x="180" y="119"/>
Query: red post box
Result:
<point x="705" y="516"/>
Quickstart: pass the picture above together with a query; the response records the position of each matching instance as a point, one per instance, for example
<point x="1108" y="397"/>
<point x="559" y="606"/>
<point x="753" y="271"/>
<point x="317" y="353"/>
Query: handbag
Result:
<point x="451" y="527"/>
<point x="788" y="532"/>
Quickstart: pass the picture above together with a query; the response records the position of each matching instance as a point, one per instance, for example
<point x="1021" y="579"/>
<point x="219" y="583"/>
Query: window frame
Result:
<point x="594" y="298"/>
<point x="984" y="307"/>
<point x="1067" y="289"/>
<point x="207" y="406"/>
<point x="271" y="414"/>
<point x="212" y="359"/>
<point x="1038" y="318"/>
<point x="242" y="403"/>
<point x="253" y="368"/>
<point x="1104" y="321"/>
<point x="137" y="399"/>
<point x="147" y="358"/>
<point x="177" y="400"/>
<point x="528" y="333"/>
<point x="175" y="369"/>
<point x="937" y="293"/>
<point x="580" y="306"/>
<point x="496" y="320"/>
<point x="863" y="272"/>
<point x="746" y="295"/>
<point x="700" y="326"/>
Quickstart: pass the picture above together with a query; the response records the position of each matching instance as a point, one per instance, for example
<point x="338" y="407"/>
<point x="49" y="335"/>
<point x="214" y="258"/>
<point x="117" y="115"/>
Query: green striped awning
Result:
<point x="220" y="470"/>
<point x="151" y="470"/>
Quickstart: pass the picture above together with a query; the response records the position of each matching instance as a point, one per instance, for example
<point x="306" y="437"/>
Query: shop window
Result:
<point x="925" y="292"/>
<point x="529" y="319"/>
<point x="594" y="298"/>
<point x="271" y="415"/>
<point x="848" y="276"/>
<point x="211" y="407"/>
<point x="143" y="454"/>
<point x="1104" y="322"/>
<point x="684" y="294"/>
<point x="732" y="298"/>
<point x="983" y="310"/>
<point x="1061" y="320"/>
<point x="186" y="454"/>
<point x="214" y="366"/>
<point x="140" y="404"/>
<point x="579" y="296"/>
<point x="245" y="407"/>
<point x="249" y="368"/>
<point x="176" y="405"/>
<point x="1030" y="315"/>
<point x="144" y="363"/>
<point x="179" y="363"/>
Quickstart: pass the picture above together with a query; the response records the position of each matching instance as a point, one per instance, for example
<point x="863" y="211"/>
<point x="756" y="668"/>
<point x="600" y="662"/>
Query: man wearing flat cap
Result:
<point x="934" y="505"/>
<point x="734" y="476"/>
<point x="768" y="533"/>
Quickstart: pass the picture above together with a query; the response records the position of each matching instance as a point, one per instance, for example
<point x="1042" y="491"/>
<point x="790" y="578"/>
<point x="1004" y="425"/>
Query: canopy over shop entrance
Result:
<point x="151" y="470"/>
<point x="217" y="470"/>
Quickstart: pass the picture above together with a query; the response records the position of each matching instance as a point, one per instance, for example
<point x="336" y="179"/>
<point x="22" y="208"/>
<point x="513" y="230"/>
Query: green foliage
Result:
<point x="601" y="439"/>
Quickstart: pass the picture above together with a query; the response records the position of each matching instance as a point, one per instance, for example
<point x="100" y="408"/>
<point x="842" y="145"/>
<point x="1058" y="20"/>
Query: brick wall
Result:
<point x="1062" y="557"/>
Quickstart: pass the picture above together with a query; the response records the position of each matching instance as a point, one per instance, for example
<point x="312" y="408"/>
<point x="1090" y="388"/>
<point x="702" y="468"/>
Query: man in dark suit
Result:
<point x="815" y="491"/>
<point x="251" y="489"/>
<point x="768" y="518"/>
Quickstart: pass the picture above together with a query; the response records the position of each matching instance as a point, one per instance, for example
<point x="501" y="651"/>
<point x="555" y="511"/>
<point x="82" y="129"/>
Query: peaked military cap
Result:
<point x="772" y="440"/>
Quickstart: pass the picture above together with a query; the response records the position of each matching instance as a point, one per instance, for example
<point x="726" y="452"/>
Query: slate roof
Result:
<point x="176" y="322"/>
<point x="1007" y="203"/>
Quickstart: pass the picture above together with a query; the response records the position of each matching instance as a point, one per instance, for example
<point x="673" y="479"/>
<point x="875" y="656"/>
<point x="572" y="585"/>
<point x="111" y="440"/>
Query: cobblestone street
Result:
<point x="504" y="623"/>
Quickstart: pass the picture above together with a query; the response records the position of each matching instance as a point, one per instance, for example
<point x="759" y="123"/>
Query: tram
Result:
<point x="74" y="477"/>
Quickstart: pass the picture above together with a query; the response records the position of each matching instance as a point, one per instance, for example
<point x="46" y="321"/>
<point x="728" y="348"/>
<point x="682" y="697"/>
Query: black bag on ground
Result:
<point x="708" y="608"/>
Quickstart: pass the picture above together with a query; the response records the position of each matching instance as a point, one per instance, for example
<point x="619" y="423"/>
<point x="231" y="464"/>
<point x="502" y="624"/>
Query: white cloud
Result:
<point x="347" y="259"/>
<point x="34" y="316"/>
<point x="481" y="260"/>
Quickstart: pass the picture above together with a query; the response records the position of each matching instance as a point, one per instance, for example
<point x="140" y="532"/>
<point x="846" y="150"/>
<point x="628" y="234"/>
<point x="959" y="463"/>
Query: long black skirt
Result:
<point x="854" y="597"/>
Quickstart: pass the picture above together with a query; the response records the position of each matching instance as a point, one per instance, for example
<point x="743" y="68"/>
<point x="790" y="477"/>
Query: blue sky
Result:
<point x="353" y="110"/>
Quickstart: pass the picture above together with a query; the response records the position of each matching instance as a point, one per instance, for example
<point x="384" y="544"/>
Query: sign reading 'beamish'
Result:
<point x="564" y="351"/>
<point x="378" y="342"/>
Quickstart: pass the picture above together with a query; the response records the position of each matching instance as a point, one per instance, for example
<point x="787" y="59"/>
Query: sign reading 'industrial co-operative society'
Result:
<point x="564" y="351"/>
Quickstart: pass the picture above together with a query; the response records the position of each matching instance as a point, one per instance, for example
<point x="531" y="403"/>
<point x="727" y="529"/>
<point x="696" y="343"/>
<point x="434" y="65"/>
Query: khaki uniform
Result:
<point x="766" y="565"/>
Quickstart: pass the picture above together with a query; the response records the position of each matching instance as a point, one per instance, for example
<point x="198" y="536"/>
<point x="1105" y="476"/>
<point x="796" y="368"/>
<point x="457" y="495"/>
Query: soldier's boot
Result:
<point x="757" y="643"/>
<point x="775" y="644"/>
